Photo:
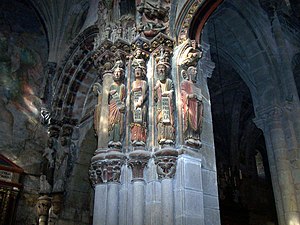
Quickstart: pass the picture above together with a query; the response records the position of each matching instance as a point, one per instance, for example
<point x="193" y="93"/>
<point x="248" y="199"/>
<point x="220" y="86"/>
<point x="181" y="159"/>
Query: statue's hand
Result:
<point x="192" y="96"/>
<point x="112" y="92"/>
<point x="122" y="108"/>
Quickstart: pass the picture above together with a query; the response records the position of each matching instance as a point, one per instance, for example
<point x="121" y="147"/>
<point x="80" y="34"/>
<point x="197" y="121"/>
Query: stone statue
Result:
<point x="163" y="92"/>
<point x="139" y="106"/>
<point x="61" y="163"/>
<point x="97" y="91"/>
<point x="152" y="16"/>
<point x="116" y="103"/>
<point x="192" y="107"/>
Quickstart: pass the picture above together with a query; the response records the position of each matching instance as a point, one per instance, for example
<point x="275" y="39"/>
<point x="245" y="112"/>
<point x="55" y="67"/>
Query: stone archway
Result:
<point x="244" y="196"/>
<point x="246" y="46"/>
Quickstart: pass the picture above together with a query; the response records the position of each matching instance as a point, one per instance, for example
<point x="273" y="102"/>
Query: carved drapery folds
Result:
<point x="191" y="97"/>
<point x="55" y="170"/>
<point x="164" y="92"/>
<point x="62" y="158"/>
<point x="139" y="102"/>
<point x="116" y="104"/>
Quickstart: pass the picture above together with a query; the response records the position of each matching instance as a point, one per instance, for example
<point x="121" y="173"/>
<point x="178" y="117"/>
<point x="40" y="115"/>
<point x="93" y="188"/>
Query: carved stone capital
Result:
<point x="56" y="208"/>
<point x="138" y="161"/>
<point x="43" y="205"/>
<point x="106" y="167"/>
<point x="165" y="161"/>
<point x="190" y="54"/>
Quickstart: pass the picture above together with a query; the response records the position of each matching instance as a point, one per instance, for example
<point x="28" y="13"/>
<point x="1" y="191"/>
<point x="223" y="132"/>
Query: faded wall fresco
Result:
<point x="23" y="53"/>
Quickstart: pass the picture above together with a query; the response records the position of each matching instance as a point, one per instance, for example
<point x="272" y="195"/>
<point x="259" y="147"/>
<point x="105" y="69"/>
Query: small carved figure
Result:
<point x="163" y="93"/>
<point x="192" y="107"/>
<point x="61" y="163"/>
<point x="133" y="33"/>
<point x="139" y="94"/>
<point x="119" y="31"/>
<point x="107" y="32"/>
<point x="116" y="102"/>
<point x="45" y="116"/>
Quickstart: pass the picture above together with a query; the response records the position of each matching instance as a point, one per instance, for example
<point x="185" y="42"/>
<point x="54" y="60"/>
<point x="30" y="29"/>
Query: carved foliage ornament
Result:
<point x="104" y="171"/>
<point x="138" y="166"/>
<point x="166" y="166"/>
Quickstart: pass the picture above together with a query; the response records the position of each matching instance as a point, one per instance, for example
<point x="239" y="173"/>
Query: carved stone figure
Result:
<point x="191" y="55"/>
<point x="163" y="92"/>
<point x="192" y="107"/>
<point x="139" y="94"/>
<point x="62" y="158"/>
<point x="152" y="16"/>
<point x="116" y="102"/>
<point x="45" y="116"/>
<point x="97" y="91"/>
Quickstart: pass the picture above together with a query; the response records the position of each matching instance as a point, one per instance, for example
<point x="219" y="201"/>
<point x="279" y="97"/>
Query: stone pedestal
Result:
<point x="105" y="172"/>
<point x="189" y="207"/>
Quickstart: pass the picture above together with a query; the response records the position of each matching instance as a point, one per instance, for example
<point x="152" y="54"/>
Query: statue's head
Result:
<point x="163" y="65"/>
<point x="192" y="73"/>
<point x="138" y="72"/>
<point x="162" y="71"/>
<point x="118" y="74"/>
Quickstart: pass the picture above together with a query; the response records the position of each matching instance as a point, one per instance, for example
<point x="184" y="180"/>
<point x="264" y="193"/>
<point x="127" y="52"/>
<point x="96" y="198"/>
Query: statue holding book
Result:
<point x="116" y="103"/>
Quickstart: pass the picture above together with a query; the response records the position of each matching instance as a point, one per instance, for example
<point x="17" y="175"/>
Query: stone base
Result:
<point x="183" y="198"/>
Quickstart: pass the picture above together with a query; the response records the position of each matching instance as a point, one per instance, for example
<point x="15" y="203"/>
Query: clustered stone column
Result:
<point x="272" y="123"/>
<point x="137" y="118"/>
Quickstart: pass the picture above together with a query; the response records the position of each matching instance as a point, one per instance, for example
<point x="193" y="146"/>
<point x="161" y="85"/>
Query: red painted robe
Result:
<point x="191" y="107"/>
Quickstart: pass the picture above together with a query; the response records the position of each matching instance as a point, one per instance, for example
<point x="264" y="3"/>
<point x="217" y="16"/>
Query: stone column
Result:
<point x="112" y="216"/>
<point x="43" y="206"/>
<point x="138" y="161"/>
<point x="105" y="175"/>
<point x="165" y="160"/>
<point x="102" y="117"/>
<point x="272" y="123"/>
